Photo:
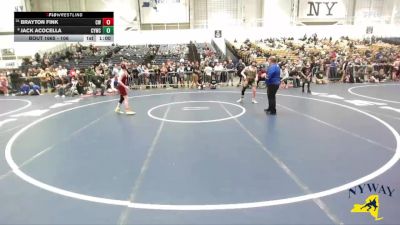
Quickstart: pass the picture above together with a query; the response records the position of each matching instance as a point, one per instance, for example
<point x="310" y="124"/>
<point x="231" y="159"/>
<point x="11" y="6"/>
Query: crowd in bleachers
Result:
<point x="166" y="66"/>
<point x="325" y="59"/>
<point x="206" y="51"/>
<point x="79" y="70"/>
<point x="172" y="52"/>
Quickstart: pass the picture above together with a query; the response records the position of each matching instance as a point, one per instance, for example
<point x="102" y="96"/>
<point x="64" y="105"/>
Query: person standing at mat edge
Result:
<point x="123" y="91"/>
<point x="273" y="81"/>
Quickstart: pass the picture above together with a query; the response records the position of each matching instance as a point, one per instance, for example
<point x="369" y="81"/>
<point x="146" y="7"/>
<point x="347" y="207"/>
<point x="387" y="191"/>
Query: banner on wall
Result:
<point x="218" y="34"/>
<point x="164" y="11"/>
<point x="10" y="64"/>
<point x="321" y="10"/>
<point x="7" y="52"/>
<point x="370" y="30"/>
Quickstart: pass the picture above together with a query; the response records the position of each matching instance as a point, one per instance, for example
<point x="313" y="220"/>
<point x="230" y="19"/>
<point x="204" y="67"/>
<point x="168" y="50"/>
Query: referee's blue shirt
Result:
<point x="274" y="74"/>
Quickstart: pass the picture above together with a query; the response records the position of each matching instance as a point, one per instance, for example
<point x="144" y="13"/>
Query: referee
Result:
<point x="273" y="81"/>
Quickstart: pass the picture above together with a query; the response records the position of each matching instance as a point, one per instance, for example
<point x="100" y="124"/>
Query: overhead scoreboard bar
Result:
<point x="63" y="26"/>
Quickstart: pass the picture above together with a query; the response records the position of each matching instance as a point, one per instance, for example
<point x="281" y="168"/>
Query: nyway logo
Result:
<point x="372" y="204"/>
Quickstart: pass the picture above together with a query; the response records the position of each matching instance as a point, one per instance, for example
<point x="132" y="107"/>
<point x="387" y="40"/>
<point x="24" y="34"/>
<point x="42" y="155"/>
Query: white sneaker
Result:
<point x="63" y="96"/>
<point x="254" y="101"/>
<point x="57" y="96"/>
<point x="240" y="100"/>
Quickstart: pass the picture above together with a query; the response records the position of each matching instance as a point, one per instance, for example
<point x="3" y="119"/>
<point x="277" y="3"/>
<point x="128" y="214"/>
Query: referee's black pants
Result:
<point x="271" y="92"/>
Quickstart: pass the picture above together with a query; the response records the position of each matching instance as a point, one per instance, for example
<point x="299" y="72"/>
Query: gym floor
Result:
<point x="198" y="157"/>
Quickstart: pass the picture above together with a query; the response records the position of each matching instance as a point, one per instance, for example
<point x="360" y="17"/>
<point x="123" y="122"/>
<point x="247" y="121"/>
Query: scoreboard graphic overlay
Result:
<point x="64" y="26"/>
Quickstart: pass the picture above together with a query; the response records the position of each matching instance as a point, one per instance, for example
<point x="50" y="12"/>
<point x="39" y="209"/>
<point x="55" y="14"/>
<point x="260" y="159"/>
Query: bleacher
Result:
<point x="202" y="47"/>
<point x="87" y="62"/>
<point x="131" y="53"/>
<point x="173" y="52"/>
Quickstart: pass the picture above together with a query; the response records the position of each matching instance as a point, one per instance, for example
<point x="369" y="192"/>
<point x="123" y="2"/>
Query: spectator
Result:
<point x="230" y="67"/>
<point x="208" y="70"/>
<point x="4" y="84"/>
<point x="188" y="73"/>
<point x="295" y="76"/>
<point x="72" y="87"/>
<point x="396" y="69"/>
<point x="218" y="71"/>
<point x="333" y="69"/>
<point x="61" y="88"/>
<point x="98" y="81"/>
<point x="14" y="76"/>
<point x="196" y="75"/>
<point x="306" y="76"/>
<point x="24" y="89"/>
<point x="181" y="74"/>
<point x="285" y="77"/>
<point x="34" y="89"/>
<point x="239" y="67"/>
<point x="163" y="74"/>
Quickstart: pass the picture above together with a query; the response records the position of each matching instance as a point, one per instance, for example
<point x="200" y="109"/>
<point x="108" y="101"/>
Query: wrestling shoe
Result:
<point x="118" y="110"/>
<point x="129" y="112"/>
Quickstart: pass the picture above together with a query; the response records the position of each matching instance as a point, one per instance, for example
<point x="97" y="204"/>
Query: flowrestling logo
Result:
<point x="372" y="204"/>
